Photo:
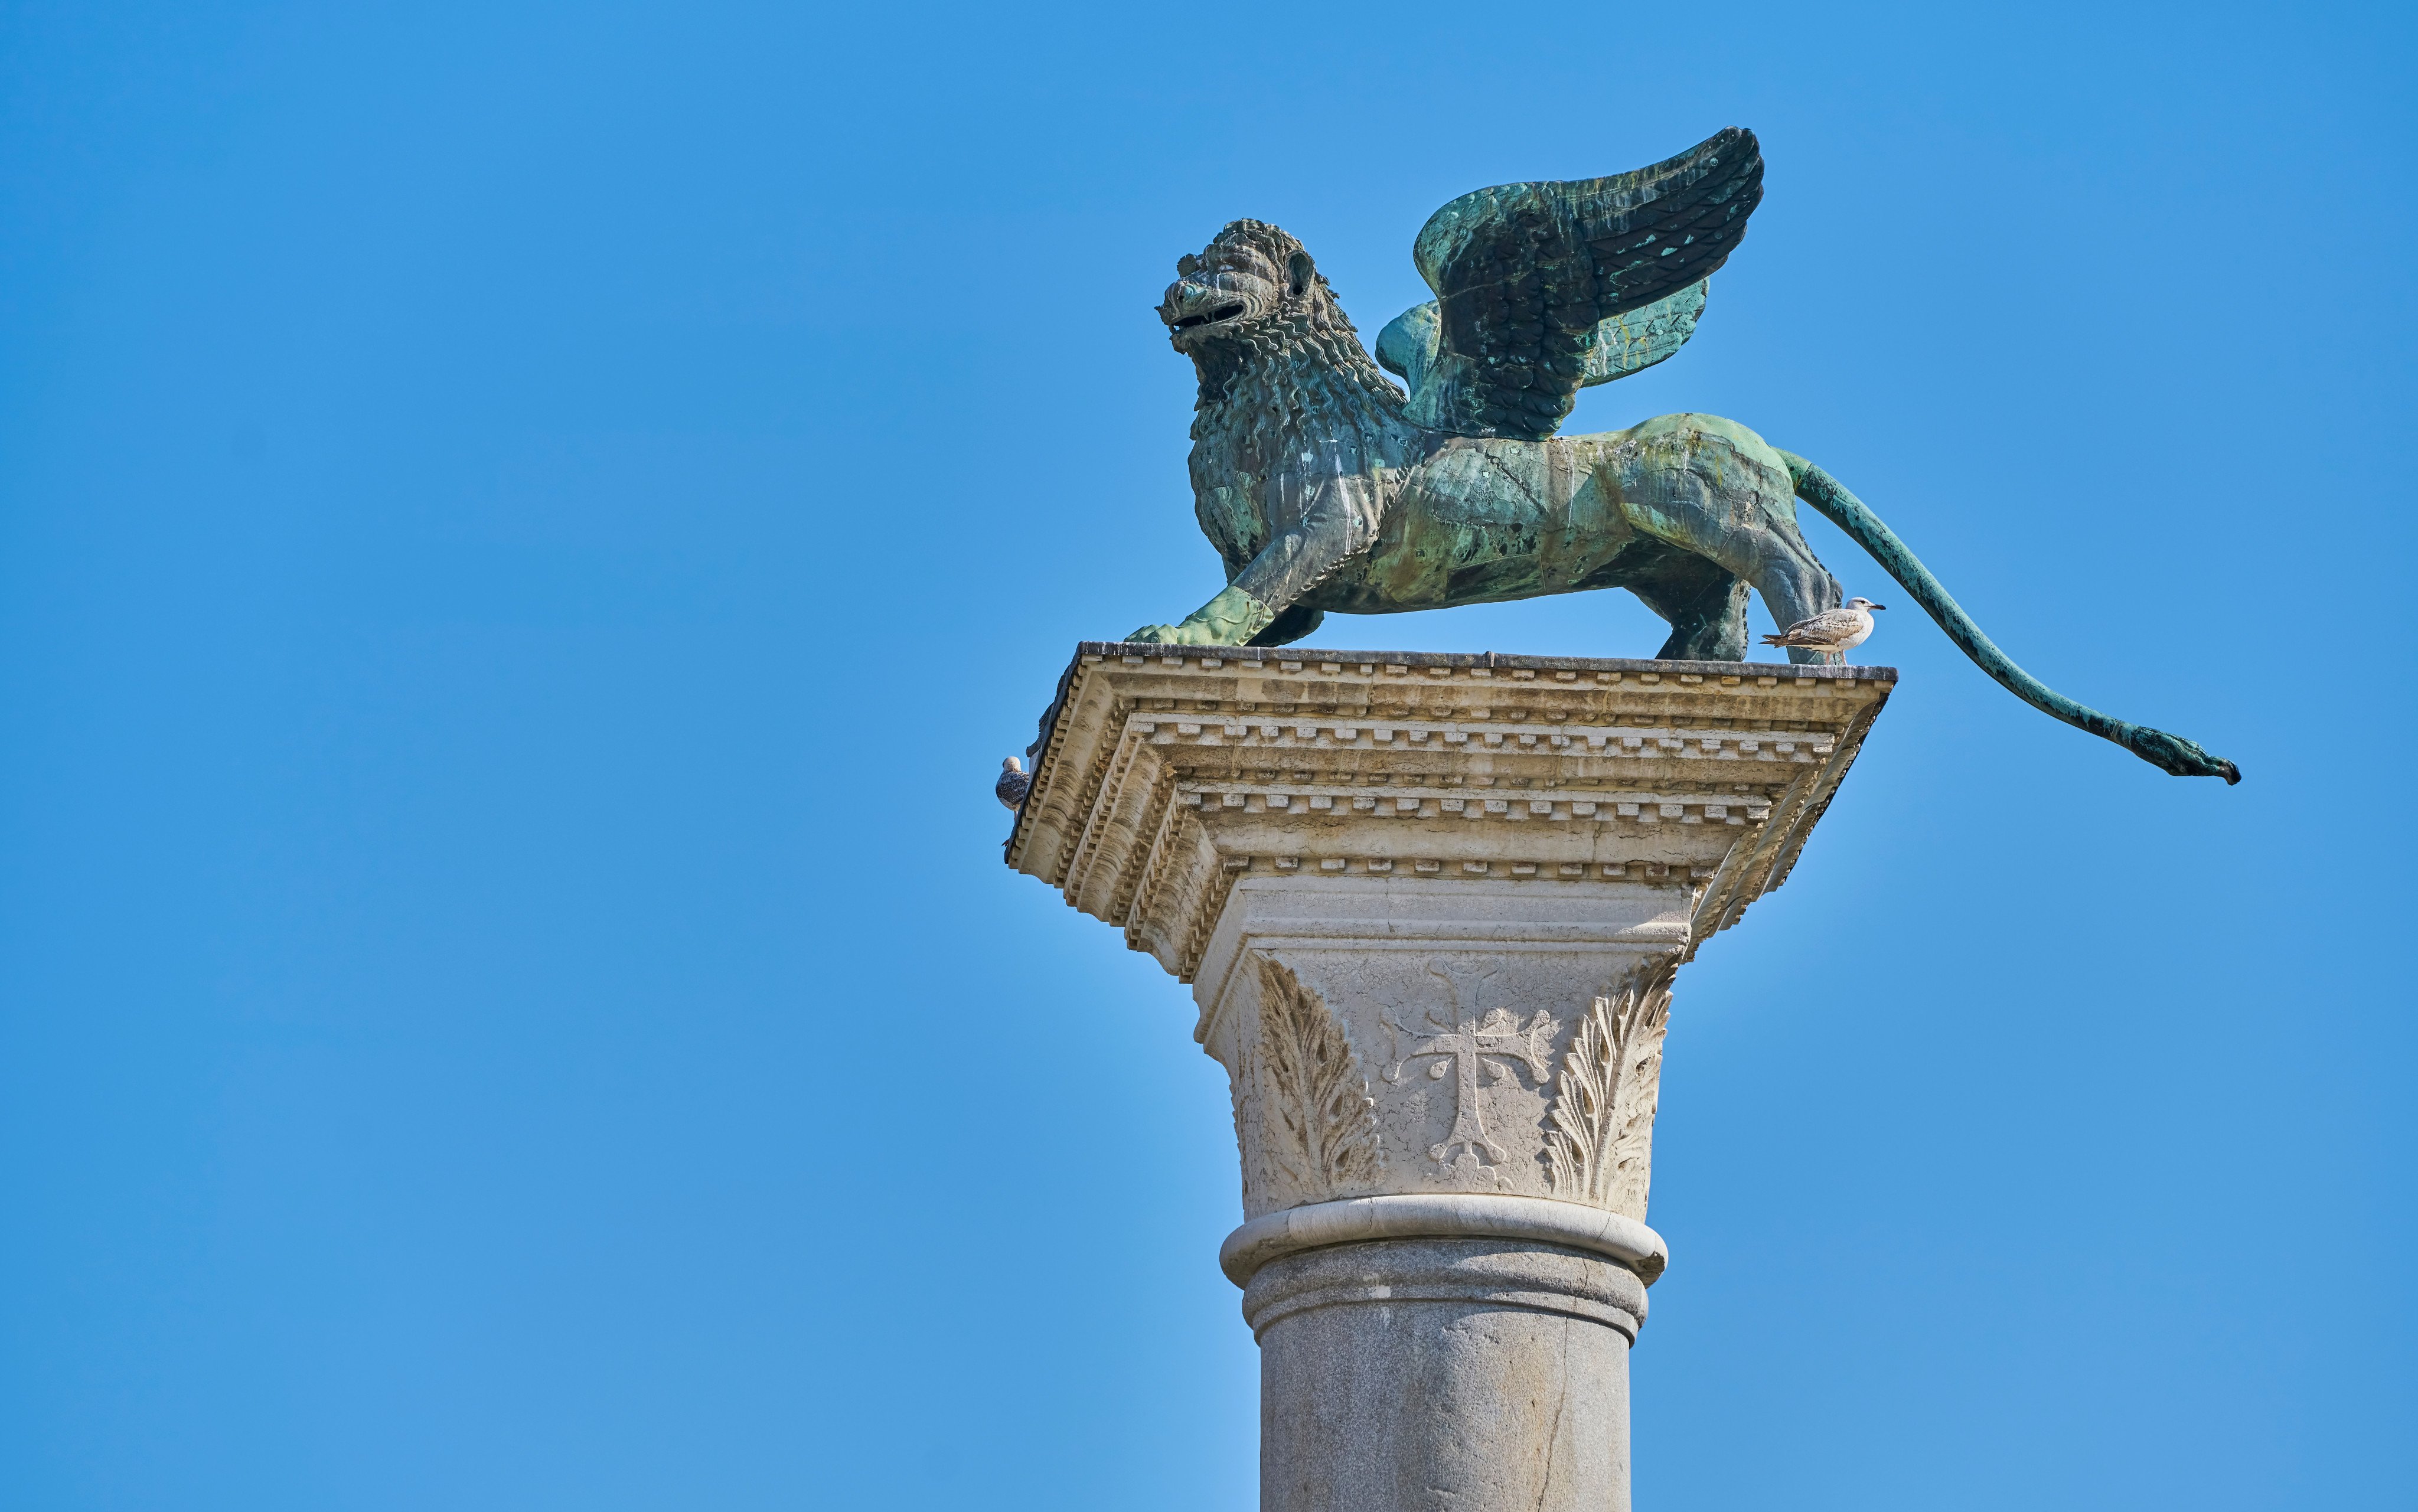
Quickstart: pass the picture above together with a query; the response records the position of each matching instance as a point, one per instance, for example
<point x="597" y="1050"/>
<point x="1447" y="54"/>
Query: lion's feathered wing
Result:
<point x="1624" y="344"/>
<point x="1528" y="275"/>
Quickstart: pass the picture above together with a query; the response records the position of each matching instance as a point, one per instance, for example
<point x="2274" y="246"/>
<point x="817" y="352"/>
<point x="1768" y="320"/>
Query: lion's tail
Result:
<point x="2170" y="753"/>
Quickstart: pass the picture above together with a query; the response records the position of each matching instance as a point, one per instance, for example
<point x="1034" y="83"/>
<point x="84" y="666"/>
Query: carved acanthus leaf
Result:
<point x="1599" y="1149"/>
<point x="1323" y="1125"/>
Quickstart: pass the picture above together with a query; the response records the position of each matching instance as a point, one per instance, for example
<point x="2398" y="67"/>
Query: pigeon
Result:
<point x="1014" y="783"/>
<point x="1833" y="630"/>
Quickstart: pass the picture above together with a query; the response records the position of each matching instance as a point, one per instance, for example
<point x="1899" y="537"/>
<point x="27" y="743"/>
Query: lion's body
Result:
<point x="1482" y="520"/>
<point x="1322" y="496"/>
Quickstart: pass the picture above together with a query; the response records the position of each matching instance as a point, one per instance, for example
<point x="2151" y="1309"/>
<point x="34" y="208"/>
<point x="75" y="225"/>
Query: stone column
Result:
<point x="1430" y="908"/>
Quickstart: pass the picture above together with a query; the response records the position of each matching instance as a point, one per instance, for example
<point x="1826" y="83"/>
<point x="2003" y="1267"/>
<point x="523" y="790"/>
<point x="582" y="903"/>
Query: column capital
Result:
<point x="1165" y="775"/>
<point x="1431" y="906"/>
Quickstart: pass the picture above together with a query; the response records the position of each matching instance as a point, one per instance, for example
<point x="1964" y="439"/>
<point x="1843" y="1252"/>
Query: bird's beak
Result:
<point x="1880" y="605"/>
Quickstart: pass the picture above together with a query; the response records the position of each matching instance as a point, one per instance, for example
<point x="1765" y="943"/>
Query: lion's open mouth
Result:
<point x="1224" y="312"/>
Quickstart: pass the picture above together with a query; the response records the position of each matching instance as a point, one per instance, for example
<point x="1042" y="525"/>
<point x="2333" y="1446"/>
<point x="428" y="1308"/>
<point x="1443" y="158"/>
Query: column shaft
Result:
<point x="1444" y="1375"/>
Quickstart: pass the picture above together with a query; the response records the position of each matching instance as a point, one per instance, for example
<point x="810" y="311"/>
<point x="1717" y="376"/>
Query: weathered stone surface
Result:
<point x="1165" y="775"/>
<point x="1430" y="908"/>
<point x="1443" y="1375"/>
<point x="1463" y="1003"/>
<point x="1402" y="1214"/>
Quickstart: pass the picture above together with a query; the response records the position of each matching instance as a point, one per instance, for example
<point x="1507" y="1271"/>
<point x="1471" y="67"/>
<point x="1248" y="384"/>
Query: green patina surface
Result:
<point x="1327" y="489"/>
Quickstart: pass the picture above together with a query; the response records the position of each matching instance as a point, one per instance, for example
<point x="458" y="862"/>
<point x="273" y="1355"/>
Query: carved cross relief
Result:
<point x="1468" y="1047"/>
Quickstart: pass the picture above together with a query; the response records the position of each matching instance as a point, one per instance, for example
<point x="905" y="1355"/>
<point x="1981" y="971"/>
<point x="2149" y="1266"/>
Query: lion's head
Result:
<point x="1250" y="272"/>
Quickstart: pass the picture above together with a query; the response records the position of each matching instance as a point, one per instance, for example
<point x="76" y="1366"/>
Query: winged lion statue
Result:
<point x="1328" y="489"/>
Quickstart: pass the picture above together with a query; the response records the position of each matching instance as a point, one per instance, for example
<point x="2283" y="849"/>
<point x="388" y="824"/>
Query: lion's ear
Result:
<point x="1300" y="274"/>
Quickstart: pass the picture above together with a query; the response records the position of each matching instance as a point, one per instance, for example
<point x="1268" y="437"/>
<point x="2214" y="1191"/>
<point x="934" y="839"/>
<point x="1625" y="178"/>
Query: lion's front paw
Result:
<point x="1194" y="631"/>
<point x="1231" y="619"/>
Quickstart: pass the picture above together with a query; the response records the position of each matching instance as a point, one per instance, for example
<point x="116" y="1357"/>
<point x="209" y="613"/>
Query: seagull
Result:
<point x="1014" y="783"/>
<point x="1833" y="630"/>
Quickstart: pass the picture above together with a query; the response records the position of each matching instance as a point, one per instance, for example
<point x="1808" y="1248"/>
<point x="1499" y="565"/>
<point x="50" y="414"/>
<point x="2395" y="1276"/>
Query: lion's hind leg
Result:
<point x="1289" y="626"/>
<point x="1717" y="492"/>
<point x="1705" y="603"/>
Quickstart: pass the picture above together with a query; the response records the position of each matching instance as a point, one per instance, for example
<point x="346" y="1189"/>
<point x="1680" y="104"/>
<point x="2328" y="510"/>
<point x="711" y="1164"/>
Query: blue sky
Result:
<point x="525" y="531"/>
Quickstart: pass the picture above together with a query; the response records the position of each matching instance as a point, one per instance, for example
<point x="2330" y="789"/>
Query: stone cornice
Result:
<point x="1166" y="774"/>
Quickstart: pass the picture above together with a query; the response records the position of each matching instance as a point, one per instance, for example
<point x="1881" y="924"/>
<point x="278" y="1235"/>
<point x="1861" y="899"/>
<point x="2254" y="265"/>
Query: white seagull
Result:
<point x="1013" y="784"/>
<point x="1833" y="630"/>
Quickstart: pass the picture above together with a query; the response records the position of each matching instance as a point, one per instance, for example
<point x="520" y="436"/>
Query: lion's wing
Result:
<point x="1635" y="339"/>
<point x="1524" y="274"/>
<point x="1619" y="346"/>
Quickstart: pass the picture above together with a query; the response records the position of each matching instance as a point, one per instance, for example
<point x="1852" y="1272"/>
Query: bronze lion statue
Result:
<point x="1327" y="488"/>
